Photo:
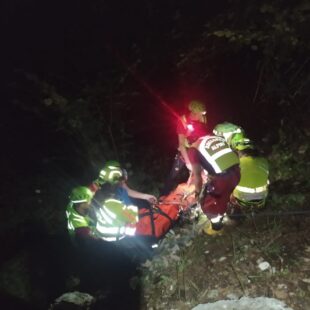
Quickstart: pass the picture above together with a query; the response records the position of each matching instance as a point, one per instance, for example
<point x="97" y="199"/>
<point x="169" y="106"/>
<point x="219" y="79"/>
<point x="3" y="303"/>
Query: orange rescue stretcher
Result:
<point x="158" y="219"/>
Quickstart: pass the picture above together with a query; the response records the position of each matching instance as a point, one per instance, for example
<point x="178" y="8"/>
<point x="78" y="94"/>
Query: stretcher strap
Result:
<point x="151" y="213"/>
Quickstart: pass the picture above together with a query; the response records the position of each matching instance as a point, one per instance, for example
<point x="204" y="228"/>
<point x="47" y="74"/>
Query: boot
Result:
<point x="209" y="230"/>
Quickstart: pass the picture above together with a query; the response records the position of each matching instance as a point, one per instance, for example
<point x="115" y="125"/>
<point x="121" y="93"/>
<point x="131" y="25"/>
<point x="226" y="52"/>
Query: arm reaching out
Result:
<point x="196" y="168"/>
<point x="135" y="194"/>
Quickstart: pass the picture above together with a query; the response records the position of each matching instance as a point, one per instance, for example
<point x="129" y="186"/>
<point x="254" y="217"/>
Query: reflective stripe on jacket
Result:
<point x="76" y="220"/>
<point x="253" y="184"/>
<point x="217" y="152"/>
<point x="116" y="220"/>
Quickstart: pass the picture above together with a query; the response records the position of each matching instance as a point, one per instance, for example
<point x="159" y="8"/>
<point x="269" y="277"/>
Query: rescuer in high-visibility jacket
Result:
<point x="116" y="220"/>
<point x="120" y="206"/>
<point x="111" y="222"/>
<point x="80" y="218"/>
<point x="112" y="173"/>
<point x="189" y="128"/>
<point x="252" y="190"/>
<point x="105" y="252"/>
<point x="213" y="154"/>
<point x="116" y="216"/>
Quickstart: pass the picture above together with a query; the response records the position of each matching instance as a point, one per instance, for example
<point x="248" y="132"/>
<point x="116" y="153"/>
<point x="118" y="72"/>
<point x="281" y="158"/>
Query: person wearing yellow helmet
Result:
<point x="112" y="173"/>
<point x="252" y="190"/>
<point x="115" y="218"/>
<point x="108" y="220"/>
<point x="239" y="142"/>
<point x="190" y="127"/>
<point x="106" y="250"/>
<point x="80" y="218"/>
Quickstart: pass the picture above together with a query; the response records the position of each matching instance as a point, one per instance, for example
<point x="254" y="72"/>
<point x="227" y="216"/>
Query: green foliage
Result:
<point x="290" y="168"/>
<point x="96" y="125"/>
<point x="287" y="200"/>
<point x="273" y="36"/>
<point x="290" y="157"/>
<point x="148" y="173"/>
<point x="15" y="279"/>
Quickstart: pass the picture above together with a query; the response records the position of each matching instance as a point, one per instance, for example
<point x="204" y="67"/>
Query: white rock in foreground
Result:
<point x="245" y="303"/>
<point x="264" y="266"/>
<point x="76" y="298"/>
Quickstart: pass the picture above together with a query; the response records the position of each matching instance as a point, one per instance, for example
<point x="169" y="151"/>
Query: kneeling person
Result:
<point x="80" y="215"/>
<point x="252" y="190"/>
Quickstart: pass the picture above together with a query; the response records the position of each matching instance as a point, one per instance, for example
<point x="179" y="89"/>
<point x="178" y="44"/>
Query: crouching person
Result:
<point x="252" y="191"/>
<point x="99" y="236"/>
<point x="89" y="258"/>
<point x="117" y="221"/>
<point x="113" y="173"/>
<point x="81" y="217"/>
<point x="213" y="154"/>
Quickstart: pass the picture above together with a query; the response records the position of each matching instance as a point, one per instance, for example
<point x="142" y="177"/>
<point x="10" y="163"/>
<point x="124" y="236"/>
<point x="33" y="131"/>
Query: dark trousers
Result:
<point x="178" y="174"/>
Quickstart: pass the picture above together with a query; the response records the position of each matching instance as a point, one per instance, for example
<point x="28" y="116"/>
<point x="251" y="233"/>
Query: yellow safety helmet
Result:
<point x="197" y="106"/>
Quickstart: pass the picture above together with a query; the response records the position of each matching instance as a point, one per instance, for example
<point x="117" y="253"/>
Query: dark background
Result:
<point x="88" y="81"/>
<point x="76" y="43"/>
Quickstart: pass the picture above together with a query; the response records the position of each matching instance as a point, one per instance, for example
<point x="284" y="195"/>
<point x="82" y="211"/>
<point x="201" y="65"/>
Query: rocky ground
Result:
<point x="264" y="256"/>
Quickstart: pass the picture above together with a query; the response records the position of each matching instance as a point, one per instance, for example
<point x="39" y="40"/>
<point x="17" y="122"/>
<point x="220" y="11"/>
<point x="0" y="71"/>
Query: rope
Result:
<point x="297" y="212"/>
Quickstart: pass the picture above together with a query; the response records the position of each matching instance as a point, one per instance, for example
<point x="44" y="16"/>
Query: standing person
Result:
<point x="213" y="154"/>
<point x="190" y="127"/>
